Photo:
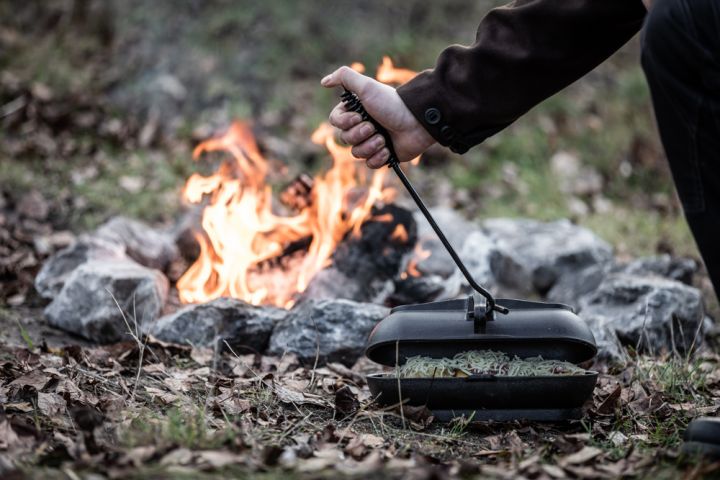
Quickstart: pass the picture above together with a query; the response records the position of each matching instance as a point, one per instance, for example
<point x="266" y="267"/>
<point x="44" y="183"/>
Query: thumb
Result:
<point x="347" y="78"/>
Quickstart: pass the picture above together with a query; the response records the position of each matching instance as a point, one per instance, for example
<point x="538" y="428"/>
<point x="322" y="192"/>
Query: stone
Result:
<point x="147" y="246"/>
<point x="85" y="305"/>
<point x="481" y="257"/>
<point x="652" y="313"/>
<point x="56" y="269"/>
<point x="681" y="269"/>
<point x="574" y="285"/>
<point x="331" y="283"/>
<point x="610" y="350"/>
<point x="334" y="330"/>
<point x="422" y="289"/>
<point x="245" y="327"/>
<point x="534" y="255"/>
<point x="456" y="229"/>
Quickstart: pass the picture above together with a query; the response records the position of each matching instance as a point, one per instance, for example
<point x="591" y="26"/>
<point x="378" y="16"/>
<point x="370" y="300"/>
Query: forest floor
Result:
<point x="84" y="140"/>
<point x="147" y="409"/>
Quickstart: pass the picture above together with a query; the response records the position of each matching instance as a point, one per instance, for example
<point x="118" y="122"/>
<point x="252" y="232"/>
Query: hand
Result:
<point x="384" y="104"/>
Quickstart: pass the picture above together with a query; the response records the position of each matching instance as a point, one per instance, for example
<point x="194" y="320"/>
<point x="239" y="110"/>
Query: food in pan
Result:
<point x="485" y="362"/>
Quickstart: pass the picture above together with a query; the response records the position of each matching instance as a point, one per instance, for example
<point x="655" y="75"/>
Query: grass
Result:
<point x="680" y="379"/>
<point x="24" y="334"/>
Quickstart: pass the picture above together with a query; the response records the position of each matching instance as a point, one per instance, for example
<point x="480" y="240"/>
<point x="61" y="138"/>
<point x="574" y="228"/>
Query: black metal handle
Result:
<point x="352" y="103"/>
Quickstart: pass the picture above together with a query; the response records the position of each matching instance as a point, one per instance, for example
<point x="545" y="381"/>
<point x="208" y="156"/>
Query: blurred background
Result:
<point x="101" y="103"/>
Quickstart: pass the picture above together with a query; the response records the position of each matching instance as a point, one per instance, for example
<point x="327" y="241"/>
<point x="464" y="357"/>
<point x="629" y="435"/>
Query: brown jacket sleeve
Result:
<point x="523" y="53"/>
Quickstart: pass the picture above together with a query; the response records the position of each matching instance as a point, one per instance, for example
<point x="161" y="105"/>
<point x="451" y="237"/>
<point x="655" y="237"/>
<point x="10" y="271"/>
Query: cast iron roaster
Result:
<point x="445" y="328"/>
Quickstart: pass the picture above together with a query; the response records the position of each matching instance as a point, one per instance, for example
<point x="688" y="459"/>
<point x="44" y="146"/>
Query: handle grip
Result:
<point x="352" y="103"/>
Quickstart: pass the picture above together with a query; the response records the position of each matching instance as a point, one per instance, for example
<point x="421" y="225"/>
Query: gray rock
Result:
<point x="454" y="226"/>
<point x="145" y="245"/>
<point x="456" y="229"/>
<point x="56" y="269"/>
<point x="85" y="305"/>
<point x="610" y="350"/>
<point x="480" y="255"/>
<point x="244" y="326"/>
<point x="655" y="313"/>
<point x="336" y="329"/>
<point x="574" y="285"/>
<point x="331" y="283"/>
<point x="681" y="269"/>
<point x="422" y="289"/>
<point x="536" y="254"/>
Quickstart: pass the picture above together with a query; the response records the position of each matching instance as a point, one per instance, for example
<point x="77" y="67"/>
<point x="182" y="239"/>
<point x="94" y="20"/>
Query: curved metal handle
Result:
<point x="352" y="103"/>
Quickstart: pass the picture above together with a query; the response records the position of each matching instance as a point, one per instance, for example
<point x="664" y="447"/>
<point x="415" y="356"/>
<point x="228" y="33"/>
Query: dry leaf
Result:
<point x="35" y="379"/>
<point x="202" y="356"/>
<point x="553" y="470"/>
<point x="50" y="404"/>
<point x="219" y="458"/>
<point x="584" y="455"/>
<point x="179" y="456"/>
<point x="286" y="395"/>
<point x="8" y="438"/>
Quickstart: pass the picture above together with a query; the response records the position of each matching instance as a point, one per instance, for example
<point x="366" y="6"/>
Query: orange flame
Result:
<point x="419" y="254"/>
<point x="388" y="73"/>
<point x="399" y="234"/>
<point x="241" y="233"/>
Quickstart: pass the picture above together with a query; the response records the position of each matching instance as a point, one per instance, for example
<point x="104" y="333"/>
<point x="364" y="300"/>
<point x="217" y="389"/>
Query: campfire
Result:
<point x="265" y="253"/>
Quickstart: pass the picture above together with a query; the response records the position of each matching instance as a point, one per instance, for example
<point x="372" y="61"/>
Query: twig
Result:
<point x="311" y="385"/>
<point x="642" y="330"/>
<point x="397" y="374"/>
<point x="141" y="345"/>
<point x="692" y="345"/>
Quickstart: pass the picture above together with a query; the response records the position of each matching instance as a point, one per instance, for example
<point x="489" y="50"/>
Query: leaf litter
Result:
<point x="204" y="413"/>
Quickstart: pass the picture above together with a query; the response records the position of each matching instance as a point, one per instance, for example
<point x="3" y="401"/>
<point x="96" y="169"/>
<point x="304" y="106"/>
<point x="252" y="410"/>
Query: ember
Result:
<point x="241" y="232"/>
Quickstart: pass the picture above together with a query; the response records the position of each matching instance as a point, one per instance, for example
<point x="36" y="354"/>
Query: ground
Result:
<point x="101" y="104"/>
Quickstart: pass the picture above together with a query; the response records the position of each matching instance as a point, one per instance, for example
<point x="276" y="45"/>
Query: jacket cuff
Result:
<point x="430" y="107"/>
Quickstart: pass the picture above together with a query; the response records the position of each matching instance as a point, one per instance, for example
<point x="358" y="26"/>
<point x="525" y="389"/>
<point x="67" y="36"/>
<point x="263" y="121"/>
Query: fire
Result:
<point x="419" y="254"/>
<point x="241" y="233"/>
<point x="388" y="73"/>
<point x="399" y="234"/>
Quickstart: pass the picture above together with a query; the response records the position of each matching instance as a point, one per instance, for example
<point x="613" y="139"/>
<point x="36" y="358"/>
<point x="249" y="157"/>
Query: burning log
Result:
<point x="298" y="194"/>
<point x="364" y="265"/>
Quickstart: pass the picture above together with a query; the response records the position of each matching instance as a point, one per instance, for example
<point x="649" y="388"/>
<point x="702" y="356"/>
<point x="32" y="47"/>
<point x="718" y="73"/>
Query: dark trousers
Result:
<point x="681" y="59"/>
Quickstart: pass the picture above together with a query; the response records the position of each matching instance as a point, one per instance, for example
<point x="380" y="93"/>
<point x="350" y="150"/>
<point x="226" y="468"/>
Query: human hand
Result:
<point x="384" y="104"/>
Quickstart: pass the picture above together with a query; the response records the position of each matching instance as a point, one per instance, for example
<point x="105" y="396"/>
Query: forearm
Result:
<point x="523" y="53"/>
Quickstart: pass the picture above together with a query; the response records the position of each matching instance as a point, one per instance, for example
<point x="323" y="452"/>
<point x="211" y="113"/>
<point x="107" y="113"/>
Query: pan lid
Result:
<point x="446" y="328"/>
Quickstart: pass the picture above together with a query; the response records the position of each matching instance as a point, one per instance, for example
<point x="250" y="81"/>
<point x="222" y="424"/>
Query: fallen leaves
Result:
<point x="346" y="403"/>
<point x="199" y="410"/>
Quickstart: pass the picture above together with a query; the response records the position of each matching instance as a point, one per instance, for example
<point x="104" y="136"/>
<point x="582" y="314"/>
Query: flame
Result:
<point x="399" y="234"/>
<point x="242" y="235"/>
<point x="388" y="73"/>
<point x="419" y="254"/>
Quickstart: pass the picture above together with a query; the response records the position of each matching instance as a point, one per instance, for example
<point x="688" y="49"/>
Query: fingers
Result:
<point x="348" y="78"/>
<point x="369" y="147"/>
<point x="354" y="130"/>
<point x="342" y="119"/>
<point x="379" y="159"/>
<point x="357" y="134"/>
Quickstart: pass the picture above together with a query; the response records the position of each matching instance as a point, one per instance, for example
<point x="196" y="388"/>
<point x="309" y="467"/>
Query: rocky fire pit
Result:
<point x="648" y="304"/>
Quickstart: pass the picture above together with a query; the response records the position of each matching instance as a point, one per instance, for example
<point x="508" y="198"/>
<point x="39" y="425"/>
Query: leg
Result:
<point x="681" y="59"/>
